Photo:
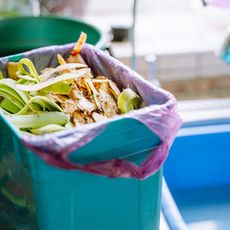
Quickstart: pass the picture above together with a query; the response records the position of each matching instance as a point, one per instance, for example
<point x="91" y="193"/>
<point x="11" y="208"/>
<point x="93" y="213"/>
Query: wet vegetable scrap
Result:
<point x="61" y="97"/>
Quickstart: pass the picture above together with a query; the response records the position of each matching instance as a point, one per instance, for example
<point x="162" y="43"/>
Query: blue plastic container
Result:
<point x="35" y="195"/>
<point x="197" y="172"/>
<point x="199" y="157"/>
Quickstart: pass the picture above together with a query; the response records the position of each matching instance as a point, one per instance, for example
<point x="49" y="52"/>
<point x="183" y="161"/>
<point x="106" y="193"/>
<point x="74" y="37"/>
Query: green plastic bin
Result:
<point x="19" y="34"/>
<point x="35" y="195"/>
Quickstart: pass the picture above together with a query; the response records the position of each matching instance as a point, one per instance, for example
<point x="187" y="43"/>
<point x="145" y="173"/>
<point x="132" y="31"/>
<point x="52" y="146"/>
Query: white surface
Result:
<point x="163" y="223"/>
<point x="197" y="105"/>
<point x="204" y="225"/>
<point x="201" y="110"/>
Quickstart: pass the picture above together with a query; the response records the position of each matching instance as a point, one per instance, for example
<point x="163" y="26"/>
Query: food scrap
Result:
<point x="65" y="96"/>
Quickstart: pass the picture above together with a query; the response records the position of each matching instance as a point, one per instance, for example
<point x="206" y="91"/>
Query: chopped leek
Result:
<point x="62" y="87"/>
<point x="47" y="129"/>
<point x="32" y="72"/>
<point x="128" y="100"/>
<point x="9" y="106"/>
<point x="9" y="86"/>
<point x="44" y="102"/>
<point x="42" y="85"/>
<point x="38" y="120"/>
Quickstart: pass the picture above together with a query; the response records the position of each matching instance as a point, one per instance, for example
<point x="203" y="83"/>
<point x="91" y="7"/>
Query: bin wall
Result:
<point x="76" y="200"/>
<point x="39" y="196"/>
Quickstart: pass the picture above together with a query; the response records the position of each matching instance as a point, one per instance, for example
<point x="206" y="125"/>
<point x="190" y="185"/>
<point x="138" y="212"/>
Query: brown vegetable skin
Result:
<point x="78" y="118"/>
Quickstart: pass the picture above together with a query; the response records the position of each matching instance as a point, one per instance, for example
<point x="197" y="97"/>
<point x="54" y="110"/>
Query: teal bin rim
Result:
<point x="100" y="43"/>
<point x="113" y="121"/>
<point x="19" y="135"/>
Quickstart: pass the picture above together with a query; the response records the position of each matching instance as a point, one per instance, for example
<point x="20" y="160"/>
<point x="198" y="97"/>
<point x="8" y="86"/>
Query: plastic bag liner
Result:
<point x="159" y="115"/>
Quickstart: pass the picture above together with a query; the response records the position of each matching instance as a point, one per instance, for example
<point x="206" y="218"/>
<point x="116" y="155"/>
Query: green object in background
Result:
<point x="19" y="34"/>
<point x="6" y="13"/>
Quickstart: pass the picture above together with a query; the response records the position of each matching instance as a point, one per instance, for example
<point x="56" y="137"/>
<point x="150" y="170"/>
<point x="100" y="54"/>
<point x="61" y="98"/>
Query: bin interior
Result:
<point x="197" y="172"/>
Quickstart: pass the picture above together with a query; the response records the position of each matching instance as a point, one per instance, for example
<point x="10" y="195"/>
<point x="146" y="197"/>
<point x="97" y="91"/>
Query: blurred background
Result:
<point x="184" y="36"/>
<point x="181" y="37"/>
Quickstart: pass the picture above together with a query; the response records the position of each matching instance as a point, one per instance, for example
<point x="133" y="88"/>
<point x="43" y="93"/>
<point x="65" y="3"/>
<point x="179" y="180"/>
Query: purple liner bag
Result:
<point x="159" y="115"/>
